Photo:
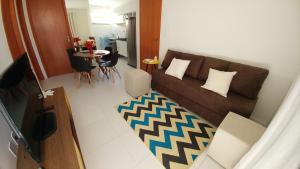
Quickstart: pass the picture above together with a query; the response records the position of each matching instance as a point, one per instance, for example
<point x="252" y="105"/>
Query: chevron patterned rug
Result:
<point x="176" y="137"/>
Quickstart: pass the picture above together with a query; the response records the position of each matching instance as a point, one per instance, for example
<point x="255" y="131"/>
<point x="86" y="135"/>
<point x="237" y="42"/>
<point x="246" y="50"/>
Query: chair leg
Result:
<point x="79" y="77"/>
<point x="116" y="70"/>
<point x="112" y="74"/>
<point x="99" y="74"/>
<point x="75" y="74"/>
<point x="90" y="79"/>
<point x="106" y="72"/>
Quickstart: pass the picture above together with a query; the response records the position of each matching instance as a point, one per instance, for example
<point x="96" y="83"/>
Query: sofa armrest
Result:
<point x="233" y="139"/>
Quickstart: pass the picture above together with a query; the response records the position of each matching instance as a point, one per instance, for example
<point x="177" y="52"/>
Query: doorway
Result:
<point x="110" y="29"/>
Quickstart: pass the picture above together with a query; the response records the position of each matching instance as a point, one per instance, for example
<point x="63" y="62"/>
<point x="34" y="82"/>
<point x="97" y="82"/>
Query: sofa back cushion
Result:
<point x="213" y="63"/>
<point x="248" y="80"/>
<point x="194" y="66"/>
<point x="169" y="57"/>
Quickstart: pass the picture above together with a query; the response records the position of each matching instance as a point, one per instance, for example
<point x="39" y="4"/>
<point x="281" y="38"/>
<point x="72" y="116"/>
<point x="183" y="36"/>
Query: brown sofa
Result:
<point x="213" y="107"/>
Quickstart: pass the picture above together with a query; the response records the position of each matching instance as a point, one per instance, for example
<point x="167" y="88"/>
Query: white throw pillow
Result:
<point x="177" y="68"/>
<point x="219" y="81"/>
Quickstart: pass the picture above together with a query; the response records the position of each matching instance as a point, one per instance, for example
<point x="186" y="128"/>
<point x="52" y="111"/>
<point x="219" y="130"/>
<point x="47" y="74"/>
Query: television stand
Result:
<point x="46" y="109"/>
<point x="45" y="125"/>
<point x="61" y="149"/>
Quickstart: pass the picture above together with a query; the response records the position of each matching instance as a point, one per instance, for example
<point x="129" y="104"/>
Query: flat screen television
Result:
<point x="21" y="102"/>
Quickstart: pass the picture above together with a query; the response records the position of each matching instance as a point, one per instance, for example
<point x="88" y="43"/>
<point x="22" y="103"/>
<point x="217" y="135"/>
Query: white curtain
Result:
<point x="79" y="23"/>
<point x="72" y="24"/>
<point x="279" y="147"/>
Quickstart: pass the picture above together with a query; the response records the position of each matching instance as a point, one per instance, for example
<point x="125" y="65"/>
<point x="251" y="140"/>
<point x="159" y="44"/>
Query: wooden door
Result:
<point x="52" y="34"/>
<point x="150" y="21"/>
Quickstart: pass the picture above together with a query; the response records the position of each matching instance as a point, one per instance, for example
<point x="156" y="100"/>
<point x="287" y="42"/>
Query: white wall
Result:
<point x="263" y="33"/>
<point x="80" y="22"/>
<point x="77" y="4"/>
<point x="132" y="6"/>
<point x="80" y="4"/>
<point x="101" y="30"/>
<point x="7" y="161"/>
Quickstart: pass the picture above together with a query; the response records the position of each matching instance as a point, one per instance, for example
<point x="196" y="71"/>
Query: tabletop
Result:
<point x="97" y="53"/>
<point x="151" y="61"/>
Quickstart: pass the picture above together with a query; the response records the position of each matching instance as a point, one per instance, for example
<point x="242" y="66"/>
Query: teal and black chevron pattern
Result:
<point x="176" y="137"/>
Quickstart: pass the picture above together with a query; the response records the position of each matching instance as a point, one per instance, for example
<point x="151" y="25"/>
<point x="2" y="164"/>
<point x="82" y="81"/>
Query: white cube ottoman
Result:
<point x="137" y="82"/>
<point x="233" y="139"/>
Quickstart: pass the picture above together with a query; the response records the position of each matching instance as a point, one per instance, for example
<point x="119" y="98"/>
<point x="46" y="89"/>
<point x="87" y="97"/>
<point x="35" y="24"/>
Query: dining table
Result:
<point x="95" y="55"/>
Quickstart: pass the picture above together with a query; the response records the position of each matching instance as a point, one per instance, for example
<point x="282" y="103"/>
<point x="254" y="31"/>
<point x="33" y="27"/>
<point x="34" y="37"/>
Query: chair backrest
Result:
<point x="82" y="64"/>
<point x="79" y="64"/>
<point x="71" y="52"/>
<point x="114" y="59"/>
<point x="107" y="57"/>
<point x="108" y="48"/>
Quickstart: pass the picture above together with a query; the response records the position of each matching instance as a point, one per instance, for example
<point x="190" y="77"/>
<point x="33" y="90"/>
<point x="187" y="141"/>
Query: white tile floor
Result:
<point x="106" y="141"/>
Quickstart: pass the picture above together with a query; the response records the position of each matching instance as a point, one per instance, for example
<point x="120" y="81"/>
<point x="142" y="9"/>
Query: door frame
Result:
<point x="11" y="28"/>
<point x="27" y="40"/>
<point x="12" y="10"/>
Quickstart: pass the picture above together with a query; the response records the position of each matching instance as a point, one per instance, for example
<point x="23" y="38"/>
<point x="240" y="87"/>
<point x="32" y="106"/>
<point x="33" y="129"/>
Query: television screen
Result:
<point x="21" y="99"/>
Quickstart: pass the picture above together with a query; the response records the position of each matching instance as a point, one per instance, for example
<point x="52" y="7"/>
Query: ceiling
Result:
<point x="104" y="3"/>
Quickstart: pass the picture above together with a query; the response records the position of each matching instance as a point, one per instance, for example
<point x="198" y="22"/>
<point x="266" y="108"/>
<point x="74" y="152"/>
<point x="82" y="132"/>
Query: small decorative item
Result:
<point x="155" y="58"/>
<point x="76" y="41"/>
<point x="89" y="45"/>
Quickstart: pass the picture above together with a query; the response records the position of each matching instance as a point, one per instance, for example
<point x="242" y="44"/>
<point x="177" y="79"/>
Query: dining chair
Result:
<point x="81" y="66"/>
<point x="110" y="66"/>
<point x="106" y="58"/>
<point x="71" y="52"/>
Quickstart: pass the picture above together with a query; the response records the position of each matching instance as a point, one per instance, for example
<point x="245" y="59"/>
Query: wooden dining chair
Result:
<point x="82" y="66"/>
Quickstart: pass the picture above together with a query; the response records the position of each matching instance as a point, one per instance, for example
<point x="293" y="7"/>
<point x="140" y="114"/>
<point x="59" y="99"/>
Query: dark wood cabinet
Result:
<point x="61" y="150"/>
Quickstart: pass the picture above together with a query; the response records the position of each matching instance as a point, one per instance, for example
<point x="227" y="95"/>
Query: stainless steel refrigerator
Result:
<point x="130" y="21"/>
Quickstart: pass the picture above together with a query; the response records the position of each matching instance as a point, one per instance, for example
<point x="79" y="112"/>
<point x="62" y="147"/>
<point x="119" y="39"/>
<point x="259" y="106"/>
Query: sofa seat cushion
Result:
<point x="240" y="104"/>
<point x="248" y="80"/>
<point x="194" y="66"/>
<point x="190" y="89"/>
